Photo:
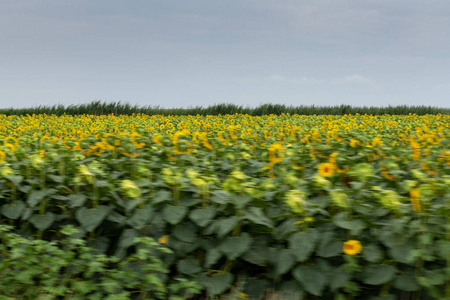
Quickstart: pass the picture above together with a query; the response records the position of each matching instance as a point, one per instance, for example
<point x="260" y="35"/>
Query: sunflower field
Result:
<point x="238" y="206"/>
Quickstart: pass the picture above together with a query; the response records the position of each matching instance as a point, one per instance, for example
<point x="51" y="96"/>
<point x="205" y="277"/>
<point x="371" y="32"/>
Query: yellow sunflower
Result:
<point x="326" y="169"/>
<point x="164" y="240"/>
<point x="273" y="149"/>
<point x="414" y="198"/>
<point x="352" y="247"/>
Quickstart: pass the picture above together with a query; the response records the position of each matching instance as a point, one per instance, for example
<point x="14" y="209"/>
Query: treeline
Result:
<point x="119" y="108"/>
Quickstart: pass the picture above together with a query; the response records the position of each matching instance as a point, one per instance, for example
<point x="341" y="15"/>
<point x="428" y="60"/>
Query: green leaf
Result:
<point x="240" y="201"/>
<point x="355" y="226"/>
<point x="25" y="277"/>
<point x="100" y="244"/>
<point x="161" y="196"/>
<point x="338" y="278"/>
<point x="401" y="253"/>
<point x="389" y="238"/>
<point x="435" y="277"/>
<point x="91" y="218"/>
<point x="188" y="200"/>
<point x="443" y="247"/>
<point x="189" y="266"/>
<point x="174" y="214"/>
<point x="303" y="243"/>
<point x="329" y="246"/>
<point x="131" y="204"/>
<point x="203" y="216"/>
<point x="127" y="237"/>
<point x="185" y="232"/>
<point x="101" y="183"/>
<point x="285" y="262"/>
<point x="35" y="197"/>
<point x="224" y="226"/>
<point x="376" y="275"/>
<point x="234" y="247"/>
<point x="60" y="198"/>
<point x="25" y="189"/>
<point x="311" y="279"/>
<point x="406" y="282"/>
<point x="140" y="217"/>
<point x="372" y="253"/>
<point x="27" y="213"/>
<point x="356" y="185"/>
<point x="284" y="229"/>
<point x="211" y="257"/>
<point x="216" y="284"/>
<point x="83" y="287"/>
<point x="181" y="248"/>
<point x="13" y="211"/>
<point x="56" y="178"/>
<point x="42" y="222"/>
<point x="116" y="217"/>
<point x="16" y="180"/>
<point x="76" y="200"/>
<point x="220" y="197"/>
<point x="257" y="216"/>
<point x="257" y="254"/>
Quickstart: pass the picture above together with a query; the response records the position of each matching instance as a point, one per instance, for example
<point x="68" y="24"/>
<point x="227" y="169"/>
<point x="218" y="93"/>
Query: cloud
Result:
<point x="279" y="79"/>
<point x="354" y="79"/>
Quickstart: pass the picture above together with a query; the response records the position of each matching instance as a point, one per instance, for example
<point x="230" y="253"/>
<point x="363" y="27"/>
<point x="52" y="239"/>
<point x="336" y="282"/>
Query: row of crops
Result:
<point x="237" y="206"/>
<point x="119" y="108"/>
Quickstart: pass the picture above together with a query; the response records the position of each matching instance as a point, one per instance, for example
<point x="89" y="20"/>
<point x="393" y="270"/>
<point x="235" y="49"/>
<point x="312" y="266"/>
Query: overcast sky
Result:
<point x="201" y="52"/>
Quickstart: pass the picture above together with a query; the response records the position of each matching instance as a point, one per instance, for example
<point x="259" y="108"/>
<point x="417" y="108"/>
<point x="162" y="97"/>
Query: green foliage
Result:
<point x="230" y="217"/>
<point x="119" y="108"/>
<point x="37" y="269"/>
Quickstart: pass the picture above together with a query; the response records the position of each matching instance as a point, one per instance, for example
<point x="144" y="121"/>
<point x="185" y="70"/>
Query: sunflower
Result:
<point x="2" y="156"/>
<point x="164" y="240"/>
<point x="352" y="247"/>
<point x="414" y="195"/>
<point x="326" y="169"/>
<point x="156" y="139"/>
<point x="11" y="146"/>
<point x="273" y="150"/>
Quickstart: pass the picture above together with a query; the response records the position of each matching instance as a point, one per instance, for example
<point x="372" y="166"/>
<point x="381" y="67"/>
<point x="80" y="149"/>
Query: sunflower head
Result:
<point x="130" y="188"/>
<point x="340" y="199"/>
<point x="414" y="195"/>
<point x="164" y="240"/>
<point x="326" y="169"/>
<point x="295" y="201"/>
<point x="352" y="247"/>
<point x="276" y="153"/>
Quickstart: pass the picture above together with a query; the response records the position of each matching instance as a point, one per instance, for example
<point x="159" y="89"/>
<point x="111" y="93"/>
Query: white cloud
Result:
<point x="354" y="79"/>
<point x="279" y="79"/>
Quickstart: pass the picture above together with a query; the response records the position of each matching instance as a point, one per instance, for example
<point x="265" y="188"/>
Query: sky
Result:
<point x="181" y="53"/>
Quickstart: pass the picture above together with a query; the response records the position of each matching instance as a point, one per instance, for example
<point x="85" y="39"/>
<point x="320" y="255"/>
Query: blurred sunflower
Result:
<point x="352" y="247"/>
<point x="326" y="169"/>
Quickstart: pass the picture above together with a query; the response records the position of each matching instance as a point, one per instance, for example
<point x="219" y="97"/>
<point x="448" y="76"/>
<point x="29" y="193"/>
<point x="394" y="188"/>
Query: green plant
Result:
<point x="119" y="108"/>
<point x="37" y="269"/>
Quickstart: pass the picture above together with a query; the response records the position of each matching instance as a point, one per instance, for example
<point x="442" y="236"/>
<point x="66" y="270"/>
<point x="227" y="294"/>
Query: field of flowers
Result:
<point x="306" y="207"/>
